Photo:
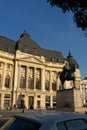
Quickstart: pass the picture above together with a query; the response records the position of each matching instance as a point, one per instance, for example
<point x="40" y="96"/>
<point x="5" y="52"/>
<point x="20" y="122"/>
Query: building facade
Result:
<point x="28" y="74"/>
<point x="84" y="91"/>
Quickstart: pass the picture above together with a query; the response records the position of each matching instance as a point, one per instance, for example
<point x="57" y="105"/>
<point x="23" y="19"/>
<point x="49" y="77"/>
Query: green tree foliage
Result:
<point x="78" y="7"/>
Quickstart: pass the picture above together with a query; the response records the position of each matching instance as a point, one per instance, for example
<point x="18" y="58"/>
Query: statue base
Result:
<point x="69" y="100"/>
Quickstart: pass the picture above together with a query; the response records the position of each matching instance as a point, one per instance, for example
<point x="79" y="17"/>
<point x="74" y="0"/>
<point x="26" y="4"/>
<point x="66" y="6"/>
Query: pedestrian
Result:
<point x="31" y="106"/>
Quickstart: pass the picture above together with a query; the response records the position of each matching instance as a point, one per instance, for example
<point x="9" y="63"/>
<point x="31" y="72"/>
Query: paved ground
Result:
<point x="2" y="121"/>
<point x="6" y="114"/>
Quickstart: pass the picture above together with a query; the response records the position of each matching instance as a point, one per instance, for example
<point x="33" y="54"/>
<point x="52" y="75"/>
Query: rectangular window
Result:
<point x="61" y="126"/>
<point x="7" y="100"/>
<point x="54" y="101"/>
<point x="21" y="124"/>
<point x="47" y="101"/>
<point x="77" y="124"/>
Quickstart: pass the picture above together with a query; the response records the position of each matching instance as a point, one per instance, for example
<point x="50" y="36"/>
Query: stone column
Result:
<point x="43" y="88"/>
<point x="26" y="75"/>
<point x="50" y="81"/>
<point x="43" y="80"/>
<point x="58" y="83"/>
<point x="51" y="101"/>
<point x="26" y="100"/>
<point x="11" y="82"/>
<point x="34" y="78"/>
<point x="15" y="83"/>
<point x="18" y="85"/>
<point x="4" y="75"/>
<point x="16" y="74"/>
<point x="43" y="106"/>
<point x="35" y="100"/>
<point x="2" y="101"/>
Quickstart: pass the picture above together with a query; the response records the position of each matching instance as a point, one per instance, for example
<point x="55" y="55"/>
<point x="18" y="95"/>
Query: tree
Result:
<point x="77" y="7"/>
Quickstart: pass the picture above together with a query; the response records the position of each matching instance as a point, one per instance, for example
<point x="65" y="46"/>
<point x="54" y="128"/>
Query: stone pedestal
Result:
<point x="69" y="100"/>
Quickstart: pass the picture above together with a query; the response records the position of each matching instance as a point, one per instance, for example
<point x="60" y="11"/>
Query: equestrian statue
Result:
<point x="68" y="72"/>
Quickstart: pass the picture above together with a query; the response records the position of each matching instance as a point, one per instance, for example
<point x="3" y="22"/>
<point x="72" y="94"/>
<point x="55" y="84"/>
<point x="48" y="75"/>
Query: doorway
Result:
<point x="30" y="101"/>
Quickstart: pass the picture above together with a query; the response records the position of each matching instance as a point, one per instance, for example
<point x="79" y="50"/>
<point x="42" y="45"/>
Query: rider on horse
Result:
<point x="68" y="71"/>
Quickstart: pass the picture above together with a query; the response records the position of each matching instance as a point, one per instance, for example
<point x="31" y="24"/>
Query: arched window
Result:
<point x="22" y="82"/>
<point x="38" y="78"/>
<point x="30" y="83"/>
<point x="7" y="81"/>
<point x="38" y="83"/>
<point x="47" y="85"/>
<point x="54" y="85"/>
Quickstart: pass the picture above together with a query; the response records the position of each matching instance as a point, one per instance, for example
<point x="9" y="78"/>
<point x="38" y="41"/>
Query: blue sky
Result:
<point x="48" y="26"/>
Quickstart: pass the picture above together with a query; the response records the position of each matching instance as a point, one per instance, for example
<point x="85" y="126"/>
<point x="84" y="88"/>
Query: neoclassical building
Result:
<point x="28" y="73"/>
<point x="84" y="90"/>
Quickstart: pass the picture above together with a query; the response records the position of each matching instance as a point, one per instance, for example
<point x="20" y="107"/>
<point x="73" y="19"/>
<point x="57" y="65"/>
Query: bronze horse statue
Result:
<point x="67" y="74"/>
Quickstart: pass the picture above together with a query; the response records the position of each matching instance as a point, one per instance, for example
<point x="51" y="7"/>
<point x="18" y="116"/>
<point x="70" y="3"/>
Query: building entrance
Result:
<point x="30" y="101"/>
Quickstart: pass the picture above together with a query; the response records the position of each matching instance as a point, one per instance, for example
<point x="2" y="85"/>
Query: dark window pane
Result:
<point x="22" y="82"/>
<point x="79" y="124"/>
<point x="61" y="126"/>
<point x="54" y="86"/>
<point x="7" y="81"/>
<point x="38" y="84"/>
<point x="47" y="85"/>
<point x="30" y="83"/>
<point x="20" y="124"/>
